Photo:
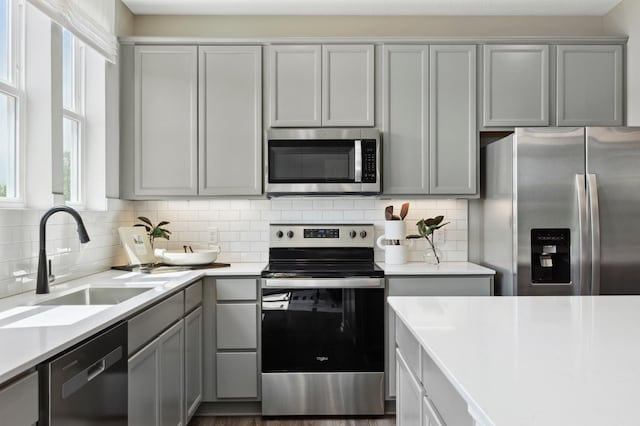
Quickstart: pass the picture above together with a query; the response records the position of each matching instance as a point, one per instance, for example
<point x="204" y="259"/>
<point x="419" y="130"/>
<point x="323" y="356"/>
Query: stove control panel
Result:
<point x="309" y="235"/>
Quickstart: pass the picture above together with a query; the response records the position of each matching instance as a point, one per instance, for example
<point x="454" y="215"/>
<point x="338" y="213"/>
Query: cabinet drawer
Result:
<point x="441" y="286"/>
<point x="409" y="347"/>
<point x="19" y="401"/>
<point x="450" y="405"/>
<point x="236" y="326"/>
<point x="430" y="415"/>
<point x="192" y="296"/>
<point x="236" y="289"/>
<point x="147" y="325"/>
<point x="237" y="375"/>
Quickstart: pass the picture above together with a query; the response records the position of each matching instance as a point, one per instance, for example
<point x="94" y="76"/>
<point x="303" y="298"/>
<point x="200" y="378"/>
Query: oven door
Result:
<point x="322" y="348"/>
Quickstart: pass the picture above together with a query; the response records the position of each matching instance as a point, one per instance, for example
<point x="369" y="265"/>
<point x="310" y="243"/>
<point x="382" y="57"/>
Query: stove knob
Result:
<point x="363" y="234"/>
<point x="279" y="234"/>
<point x="290" y="234"/>
<point x="352" y="234"/>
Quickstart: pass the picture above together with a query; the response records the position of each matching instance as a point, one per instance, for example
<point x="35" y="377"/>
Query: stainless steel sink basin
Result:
<point x="97" y="296"/>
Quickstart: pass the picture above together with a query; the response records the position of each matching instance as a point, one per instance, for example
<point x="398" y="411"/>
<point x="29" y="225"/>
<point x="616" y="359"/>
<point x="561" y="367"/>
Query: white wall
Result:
<point x="244" y="224"/>
<point x="624" y="19"/>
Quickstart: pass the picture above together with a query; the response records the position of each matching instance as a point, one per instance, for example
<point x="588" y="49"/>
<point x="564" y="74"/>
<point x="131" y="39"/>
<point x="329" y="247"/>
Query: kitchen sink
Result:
<point x="97" y="296"/>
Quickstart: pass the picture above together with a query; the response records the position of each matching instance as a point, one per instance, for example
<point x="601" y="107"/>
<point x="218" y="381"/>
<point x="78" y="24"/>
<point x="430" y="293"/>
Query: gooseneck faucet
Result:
<point x="42" y="284"/>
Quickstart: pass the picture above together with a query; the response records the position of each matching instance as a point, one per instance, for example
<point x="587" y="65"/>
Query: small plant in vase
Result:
<point x="154" y="231"/>
<point x="426" y="229"/>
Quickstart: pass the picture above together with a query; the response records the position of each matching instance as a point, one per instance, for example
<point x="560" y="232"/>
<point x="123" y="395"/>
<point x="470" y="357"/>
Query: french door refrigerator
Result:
<point x="559" y="211"/>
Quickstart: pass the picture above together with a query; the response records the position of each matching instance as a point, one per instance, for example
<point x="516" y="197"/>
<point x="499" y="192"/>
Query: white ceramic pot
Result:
<point x="396" y="255"/>
<point x="394" y="230"/>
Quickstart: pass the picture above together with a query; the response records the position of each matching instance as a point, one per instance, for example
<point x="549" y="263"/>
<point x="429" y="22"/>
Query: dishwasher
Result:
<point x="87" y="385"/>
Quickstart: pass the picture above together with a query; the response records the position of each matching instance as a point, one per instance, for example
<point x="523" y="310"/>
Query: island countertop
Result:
<point x="565" y="360"/>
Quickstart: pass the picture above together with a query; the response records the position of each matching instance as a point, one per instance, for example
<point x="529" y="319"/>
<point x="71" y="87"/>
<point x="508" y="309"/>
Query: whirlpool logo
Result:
<point x="322" y="358"/>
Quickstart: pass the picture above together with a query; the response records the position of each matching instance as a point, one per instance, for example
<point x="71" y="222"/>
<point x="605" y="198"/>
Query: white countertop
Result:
<point x="25" y="341"/>
<point x="444" y="268"/>
<point x="572" y="360"/>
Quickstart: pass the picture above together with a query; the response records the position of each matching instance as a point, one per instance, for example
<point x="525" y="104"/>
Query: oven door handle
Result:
<point x="323" y="282"/>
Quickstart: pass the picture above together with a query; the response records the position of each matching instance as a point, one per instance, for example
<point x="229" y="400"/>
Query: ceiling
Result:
<point x="371" y="7"/>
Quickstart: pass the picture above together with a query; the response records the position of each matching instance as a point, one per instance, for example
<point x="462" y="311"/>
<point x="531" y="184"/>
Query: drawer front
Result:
<point x="430" y="415"/>
<point x="236" y="326"/>
<point x="409" y="347"/>
<point x="236" y="289"/>
<point x="19" y="402"/>
<point x="441" y="286"/>
<point x="237" y="375"/>
<point x="192" y="296"/>
<point x="450" y="405"/>
<point x="147" y="325"/>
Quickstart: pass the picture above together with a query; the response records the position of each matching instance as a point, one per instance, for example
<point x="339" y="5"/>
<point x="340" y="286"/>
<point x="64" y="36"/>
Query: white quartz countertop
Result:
<point x="444" y="268"/>
<point x="31" y="334"/>
<point x="557" y="360"/>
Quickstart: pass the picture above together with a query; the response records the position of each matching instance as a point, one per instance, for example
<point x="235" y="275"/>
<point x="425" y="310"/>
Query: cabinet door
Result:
<point x="230" y="125"/>
<point x="19" y="401"/>
<point x="165" y="109"/>
<point x="237" y="375"/>
<point x="515" y="85"/>
<point x="409" y="398"/>
<point x="453" y="139"/>
<point x="589" y="85"/>
<point x="193" y="362"/>
<point x="294" y="89"/>
<point x="347" y="85"/>
<point x="144" y="386"/>
<point x="430" y="416"/>
<point x="405" y="119"/>
<point x="236" y="326"/>
<point x="171" y="376"/>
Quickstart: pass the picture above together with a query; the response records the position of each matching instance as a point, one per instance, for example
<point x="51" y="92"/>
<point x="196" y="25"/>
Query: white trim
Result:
<point x="85" y="25"/>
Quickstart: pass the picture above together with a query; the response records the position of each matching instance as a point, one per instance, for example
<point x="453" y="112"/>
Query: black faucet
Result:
<point x="42" y="284"/>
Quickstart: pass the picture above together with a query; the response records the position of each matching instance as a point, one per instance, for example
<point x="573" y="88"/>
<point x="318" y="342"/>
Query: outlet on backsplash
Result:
<point x="213" y="235"/>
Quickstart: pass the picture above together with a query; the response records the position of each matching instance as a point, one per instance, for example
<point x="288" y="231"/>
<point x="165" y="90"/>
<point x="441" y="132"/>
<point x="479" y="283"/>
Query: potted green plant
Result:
<point x="154" y="231"/>
<point x="426" y="229"/>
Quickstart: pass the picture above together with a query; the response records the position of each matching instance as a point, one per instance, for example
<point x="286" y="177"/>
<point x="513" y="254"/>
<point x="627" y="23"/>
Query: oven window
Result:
<point x="311" y="161"/>
<point x="322" y="330"/>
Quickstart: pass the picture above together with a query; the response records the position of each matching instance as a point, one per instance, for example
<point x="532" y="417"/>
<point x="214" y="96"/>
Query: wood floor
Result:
<point x="295" y="421"/>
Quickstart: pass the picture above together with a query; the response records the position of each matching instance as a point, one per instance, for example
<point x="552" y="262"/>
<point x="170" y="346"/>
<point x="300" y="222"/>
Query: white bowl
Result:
<point x="198" y="257"/>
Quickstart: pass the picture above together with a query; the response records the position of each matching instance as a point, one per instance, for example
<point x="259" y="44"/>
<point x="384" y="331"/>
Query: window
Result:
<point x="73" y="124"/>
<point x="10" y="101"/>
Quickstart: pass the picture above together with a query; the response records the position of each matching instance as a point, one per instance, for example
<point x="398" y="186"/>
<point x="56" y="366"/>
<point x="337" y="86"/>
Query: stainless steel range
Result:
<point x="322" y="322"/>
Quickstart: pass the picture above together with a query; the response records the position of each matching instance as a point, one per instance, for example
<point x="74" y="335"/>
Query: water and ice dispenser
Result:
<point x="550" y="256"/>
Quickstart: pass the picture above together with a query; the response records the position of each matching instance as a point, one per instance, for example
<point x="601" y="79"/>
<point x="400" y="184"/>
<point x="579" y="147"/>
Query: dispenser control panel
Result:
<point x="551" y="256"/>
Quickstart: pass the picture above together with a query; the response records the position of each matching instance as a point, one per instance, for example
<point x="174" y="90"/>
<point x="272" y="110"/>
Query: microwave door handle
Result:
<point x="358" y="166"/>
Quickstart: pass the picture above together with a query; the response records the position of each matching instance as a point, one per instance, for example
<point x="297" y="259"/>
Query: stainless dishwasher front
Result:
<point x="87" y="385"/>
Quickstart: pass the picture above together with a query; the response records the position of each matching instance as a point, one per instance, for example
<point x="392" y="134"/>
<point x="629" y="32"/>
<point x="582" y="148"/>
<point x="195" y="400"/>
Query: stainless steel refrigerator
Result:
<point x="559" y="211"/>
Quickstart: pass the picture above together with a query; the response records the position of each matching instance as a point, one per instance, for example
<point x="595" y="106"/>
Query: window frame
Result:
<point x="15" y="89"/>
<point x="78" y="115"/>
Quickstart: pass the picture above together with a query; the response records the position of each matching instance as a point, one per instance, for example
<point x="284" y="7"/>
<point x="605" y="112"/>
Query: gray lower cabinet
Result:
<point x="515" y="85"/>
<point x="193" y="362"/>
<point x="165" y="121"/>
<point x="156" y="381"/>
<point x="409" y="401"/>
<point x="19" y="401"/>
<point x="589" y="85"/>
<point x="230" y="120"/>
<point x="231" y="339"/>
<point x="321" y="85"/>
<point x="447" y="285"/>
<point x="429" y="120"/>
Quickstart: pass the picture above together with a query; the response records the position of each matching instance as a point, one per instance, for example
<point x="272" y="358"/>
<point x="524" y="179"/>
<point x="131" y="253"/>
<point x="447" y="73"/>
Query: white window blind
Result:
<point x="92" y="21"/>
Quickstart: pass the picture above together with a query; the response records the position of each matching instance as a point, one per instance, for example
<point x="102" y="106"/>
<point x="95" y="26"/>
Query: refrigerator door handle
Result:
<point x="594" y="208"/>
<point x="583" y="232"/>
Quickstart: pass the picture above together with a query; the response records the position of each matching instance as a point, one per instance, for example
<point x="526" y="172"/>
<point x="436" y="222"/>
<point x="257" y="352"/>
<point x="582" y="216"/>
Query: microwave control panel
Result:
<point x="369" y="168"/>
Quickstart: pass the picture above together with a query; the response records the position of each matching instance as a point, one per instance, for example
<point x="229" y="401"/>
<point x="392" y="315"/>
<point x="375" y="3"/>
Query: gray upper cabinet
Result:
<point x="165" y="111"/>
<point x="429" y="119"/>
<point x="406" y="119"/>
<point x="295" y="82"/>
<point x="321" y="85"/>
<point x="453" y="137"/>
<point x="589" y="85"/>
<point x="230" y="120"/>
<point x="347" y="85"/>
<point x="515" y="85"/>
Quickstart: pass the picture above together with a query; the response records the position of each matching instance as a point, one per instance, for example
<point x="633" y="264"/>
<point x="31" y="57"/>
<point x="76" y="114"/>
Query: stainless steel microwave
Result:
<point x="322" y="161"/>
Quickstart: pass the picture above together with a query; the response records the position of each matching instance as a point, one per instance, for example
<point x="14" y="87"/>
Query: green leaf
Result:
<point x="145" y="220"/>
<point x="145" y="226"/>
<point x="162" y="223"/>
